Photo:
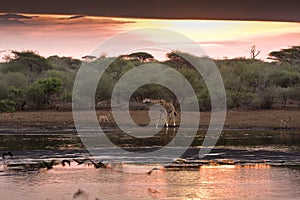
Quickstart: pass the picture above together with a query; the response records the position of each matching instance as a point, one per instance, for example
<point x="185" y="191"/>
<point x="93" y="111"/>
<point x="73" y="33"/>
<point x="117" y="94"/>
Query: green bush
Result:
<point x="4" y="90"/>
<point x="7" y="105"/>
<point x="283" y="94"/>
<point x="67" y="96"/>
<point x="204" y="100"/>
<point x="249" y="83"/>
<point x="40" y="91"/>
<point x="283" y="78"/>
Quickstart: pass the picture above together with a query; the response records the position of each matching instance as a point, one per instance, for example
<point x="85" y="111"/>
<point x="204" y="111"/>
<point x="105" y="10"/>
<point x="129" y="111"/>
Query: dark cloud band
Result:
<point x="13" y="17"/>
<point x="268" y="10"/>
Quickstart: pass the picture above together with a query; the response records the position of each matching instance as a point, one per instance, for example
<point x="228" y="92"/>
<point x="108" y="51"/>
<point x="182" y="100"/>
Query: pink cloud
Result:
<point x="77" y="36"/>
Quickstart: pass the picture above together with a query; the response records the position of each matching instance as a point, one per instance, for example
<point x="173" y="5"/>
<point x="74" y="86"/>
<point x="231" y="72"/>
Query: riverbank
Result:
<point x="235" y="119"/>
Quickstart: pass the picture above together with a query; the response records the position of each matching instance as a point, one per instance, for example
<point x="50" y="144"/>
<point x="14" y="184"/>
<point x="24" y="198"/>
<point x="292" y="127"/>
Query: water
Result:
<point x="207" y="183"/>
<point x="245" y="164"/>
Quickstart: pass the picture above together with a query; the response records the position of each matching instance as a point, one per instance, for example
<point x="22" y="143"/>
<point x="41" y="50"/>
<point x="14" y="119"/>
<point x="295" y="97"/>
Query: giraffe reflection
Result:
<point x="170" y="134"/>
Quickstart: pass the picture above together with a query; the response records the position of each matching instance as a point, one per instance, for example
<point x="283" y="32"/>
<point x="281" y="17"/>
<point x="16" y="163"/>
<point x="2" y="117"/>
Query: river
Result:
<point x="244" y="164"/>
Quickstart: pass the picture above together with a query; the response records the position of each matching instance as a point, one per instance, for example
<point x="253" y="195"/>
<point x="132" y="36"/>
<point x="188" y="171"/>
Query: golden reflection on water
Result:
<point x="249" y="166"/>
<point x="211" y="181"/>
<point x="231" y="181"/>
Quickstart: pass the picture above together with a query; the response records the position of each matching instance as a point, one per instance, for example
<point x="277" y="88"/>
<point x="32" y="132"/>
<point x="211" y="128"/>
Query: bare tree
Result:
<point x="253" y="52"/>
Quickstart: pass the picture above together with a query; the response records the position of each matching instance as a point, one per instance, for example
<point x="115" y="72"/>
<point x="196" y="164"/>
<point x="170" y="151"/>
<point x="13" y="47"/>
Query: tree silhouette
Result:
<point x="142" y="56"/>
<point x="253" y="52"/>
<point x="290" y="55"/>
<point x="27" y="62"/>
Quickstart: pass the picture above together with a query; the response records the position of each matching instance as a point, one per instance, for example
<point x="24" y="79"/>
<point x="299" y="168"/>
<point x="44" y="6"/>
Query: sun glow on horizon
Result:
<point x="76" y="35"/>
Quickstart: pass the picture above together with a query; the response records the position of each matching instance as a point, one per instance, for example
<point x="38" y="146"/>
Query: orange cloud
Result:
<point x="77" y="35"/>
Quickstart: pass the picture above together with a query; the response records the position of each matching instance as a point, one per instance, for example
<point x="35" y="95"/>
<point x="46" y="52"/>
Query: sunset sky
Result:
<point x="78" y="35"/>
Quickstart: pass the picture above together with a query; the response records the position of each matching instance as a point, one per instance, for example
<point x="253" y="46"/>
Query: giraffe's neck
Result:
<point x="170" y="110"/>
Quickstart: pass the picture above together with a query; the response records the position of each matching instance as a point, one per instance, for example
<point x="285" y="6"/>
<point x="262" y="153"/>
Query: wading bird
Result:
<point x="8" y="153"/>
<point x="80" y="194"/>
<point x="48" y="165"/>
<point x="99" y="164"/>
<point x="79" y="162"/>
<point x="155" y="168"/>
<point x="63" y="162"/>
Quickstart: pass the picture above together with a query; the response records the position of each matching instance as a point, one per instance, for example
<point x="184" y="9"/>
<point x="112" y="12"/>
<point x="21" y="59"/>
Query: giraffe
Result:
<point x="170" y="112"/>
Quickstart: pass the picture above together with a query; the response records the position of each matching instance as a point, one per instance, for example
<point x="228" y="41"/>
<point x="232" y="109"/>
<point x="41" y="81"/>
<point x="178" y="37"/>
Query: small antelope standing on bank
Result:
<point x="285" y="123"/>
<point x="8" y="116"/>
<point x="104" y="118"/>
<point x="170" y="112"/>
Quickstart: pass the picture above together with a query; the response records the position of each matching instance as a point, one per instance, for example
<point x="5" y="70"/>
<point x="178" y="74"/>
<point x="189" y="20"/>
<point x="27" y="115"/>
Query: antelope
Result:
<point x="8" y="116"/>
<point x="285" y="123"/>
<point x="104" y="118"/>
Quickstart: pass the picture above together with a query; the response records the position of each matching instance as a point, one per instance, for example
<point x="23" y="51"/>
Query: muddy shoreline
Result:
<point x="49" y="120"/>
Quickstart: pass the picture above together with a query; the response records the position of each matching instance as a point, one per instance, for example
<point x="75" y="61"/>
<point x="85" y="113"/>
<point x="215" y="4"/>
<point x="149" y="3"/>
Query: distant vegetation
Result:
<point x="30" y="81"/>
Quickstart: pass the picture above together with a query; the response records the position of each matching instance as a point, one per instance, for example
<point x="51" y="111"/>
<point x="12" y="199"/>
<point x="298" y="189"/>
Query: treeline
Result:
<point x="30" y="81"/>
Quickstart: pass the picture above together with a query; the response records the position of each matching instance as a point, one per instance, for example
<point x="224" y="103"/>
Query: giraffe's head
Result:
<point x="146" y="100"/>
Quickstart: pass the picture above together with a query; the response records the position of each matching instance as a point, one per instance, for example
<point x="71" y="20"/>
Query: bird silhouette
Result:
<point x="80" y="194"/>
<point x="99" y="164"/>
<point x="153" y="169"/>
<point x="63" y="162"/>
<point x="48" y="165"/>
<point x="79" y="162"/>
<point x="8" y="153"/>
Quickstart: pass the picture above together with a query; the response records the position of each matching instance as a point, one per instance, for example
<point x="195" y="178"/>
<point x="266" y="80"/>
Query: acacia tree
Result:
<point x="27" y="62"/>
<point x="64" y="63"/>
<point x="177" y="61"/>
<point x="142" y="56"/>
<point x="290" y="55"/>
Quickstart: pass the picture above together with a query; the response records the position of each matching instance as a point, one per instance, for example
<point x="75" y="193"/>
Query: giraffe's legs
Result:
<point x="170" y="119"/>
<point x="158" y="120"/>
<point x="166" y="119"/>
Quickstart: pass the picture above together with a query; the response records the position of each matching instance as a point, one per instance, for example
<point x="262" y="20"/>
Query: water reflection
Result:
<point x="208" y="182"/>
<point x="252" y="164"/>
<point x="234" y="138"/>
<point x="18" y="142"/>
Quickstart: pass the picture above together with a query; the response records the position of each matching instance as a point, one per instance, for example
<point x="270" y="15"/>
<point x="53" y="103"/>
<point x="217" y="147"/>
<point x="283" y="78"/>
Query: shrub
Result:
<point x="40" y="91"/>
